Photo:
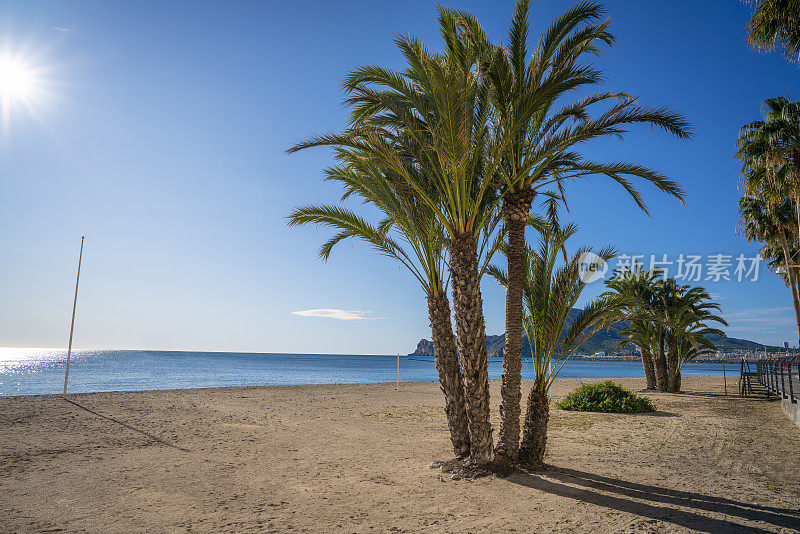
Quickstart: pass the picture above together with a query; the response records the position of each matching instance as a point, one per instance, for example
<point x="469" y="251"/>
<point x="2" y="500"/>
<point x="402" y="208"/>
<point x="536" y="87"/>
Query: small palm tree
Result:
<point x="634" y="291"/>
<point x="685" y="313"/>
<point x="694" y="343"/>
<point x="541" y="124"/>
<point x="775" y="23"/>
<point x="551" y="288"/>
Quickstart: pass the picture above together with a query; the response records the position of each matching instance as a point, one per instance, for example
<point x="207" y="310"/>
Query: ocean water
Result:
<point x="41" y="371"/>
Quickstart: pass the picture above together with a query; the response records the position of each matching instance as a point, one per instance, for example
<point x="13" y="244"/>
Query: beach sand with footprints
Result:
<point x="356" y="458"/>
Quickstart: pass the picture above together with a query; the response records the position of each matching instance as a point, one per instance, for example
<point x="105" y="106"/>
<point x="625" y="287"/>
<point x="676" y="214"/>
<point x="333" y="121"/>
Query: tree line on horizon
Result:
<point x="453" y="151"/>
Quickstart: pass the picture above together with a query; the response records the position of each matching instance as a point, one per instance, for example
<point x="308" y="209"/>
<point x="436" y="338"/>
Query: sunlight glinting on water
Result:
<point x="29" y="359"/>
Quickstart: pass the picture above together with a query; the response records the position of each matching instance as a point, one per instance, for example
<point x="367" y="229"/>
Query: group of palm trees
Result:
<point x="453" y="150"/>
<point x="769" y="151"/>
<point x="668" y="322"/>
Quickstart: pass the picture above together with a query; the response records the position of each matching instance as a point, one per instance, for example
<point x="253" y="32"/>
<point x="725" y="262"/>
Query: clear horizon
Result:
<point x="160" y="133"/>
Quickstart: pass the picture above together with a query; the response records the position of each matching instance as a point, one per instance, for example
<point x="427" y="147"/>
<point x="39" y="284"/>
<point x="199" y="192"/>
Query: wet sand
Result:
<point x="354" y="458"/>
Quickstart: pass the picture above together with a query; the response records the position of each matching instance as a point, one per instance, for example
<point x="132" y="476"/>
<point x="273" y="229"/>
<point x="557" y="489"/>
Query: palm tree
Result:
<point x="684" y="312"/>
<point x="634" y="291"/>
<point x="418" y="244"/>
<point x="438" y="109"/>
<point x="775" y="23"/>
<point x="664" y="316"/>
<point x="552" y="285"/>
<point x="693" y="344"/>
<point x="769" y="151"/>
<point x="644" y="335"/>
<point x="540" y="127"/>
<point x="773" y="224"/>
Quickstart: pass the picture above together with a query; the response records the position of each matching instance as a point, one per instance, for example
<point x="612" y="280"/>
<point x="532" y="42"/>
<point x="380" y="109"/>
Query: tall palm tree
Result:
<point x="773" y="224"/>
<point x="775" y="23"/>
<point x="439" y="109"/>
<point x="409" y="234"/>
<point x="769" y="151"/>
<point x="552" y="285"/>
<point x="541" y="127"/>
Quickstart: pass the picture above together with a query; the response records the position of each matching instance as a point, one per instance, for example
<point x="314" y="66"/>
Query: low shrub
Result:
<point x="606" y="397"/>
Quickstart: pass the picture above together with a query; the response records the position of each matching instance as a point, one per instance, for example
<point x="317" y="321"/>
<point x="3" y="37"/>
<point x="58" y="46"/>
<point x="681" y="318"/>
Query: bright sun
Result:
<point x="23" y="88"/>
<point x="17" y="80"/>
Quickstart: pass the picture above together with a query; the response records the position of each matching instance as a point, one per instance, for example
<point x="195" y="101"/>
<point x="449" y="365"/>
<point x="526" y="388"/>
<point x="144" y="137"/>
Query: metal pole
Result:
<point x="724" y="376"/>
<point x="72" y="324"/>
<point x="397" y="385"/>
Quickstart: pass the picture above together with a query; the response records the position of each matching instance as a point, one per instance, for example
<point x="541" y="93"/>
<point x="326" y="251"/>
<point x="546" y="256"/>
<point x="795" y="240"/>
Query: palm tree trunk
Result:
<point x="471" y="332"/>
<point x="795" y="294"/>
<point x="660" y="364"/>
<point x="534" y="433"/>
<point x="673" y="364"/>
<point x="792" y="274"/>
<point x="649" y="368"/>
<point x="515" y="214"/>
<point x="446" y="356"/>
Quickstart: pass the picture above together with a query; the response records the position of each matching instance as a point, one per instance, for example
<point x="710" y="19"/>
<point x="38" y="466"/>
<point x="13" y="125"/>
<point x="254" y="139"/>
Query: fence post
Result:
<point x="774" y="374"/>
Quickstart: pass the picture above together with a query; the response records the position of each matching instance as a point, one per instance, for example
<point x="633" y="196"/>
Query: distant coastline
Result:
<point x="606" y="345"/>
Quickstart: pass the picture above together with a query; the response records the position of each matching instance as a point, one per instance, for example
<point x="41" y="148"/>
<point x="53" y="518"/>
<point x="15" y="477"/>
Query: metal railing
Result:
<point x="780" y="376"/>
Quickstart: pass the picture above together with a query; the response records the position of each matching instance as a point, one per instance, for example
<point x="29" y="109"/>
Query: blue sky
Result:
<point x="162" y="133"/>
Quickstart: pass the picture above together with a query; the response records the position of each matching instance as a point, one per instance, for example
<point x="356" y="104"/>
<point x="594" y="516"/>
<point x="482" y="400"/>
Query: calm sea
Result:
<point x="38" y="371"/>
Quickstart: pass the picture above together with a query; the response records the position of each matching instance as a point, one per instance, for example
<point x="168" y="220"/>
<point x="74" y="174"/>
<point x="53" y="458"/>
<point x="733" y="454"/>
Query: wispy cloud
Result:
<point x="763" y="325"/>
<point x="760" y="311"/>
<point x="342" y="315"/>
<point x="767" y="316"/>
<point x="751" y="329"/>
<point x="62" y="29"/>
<point x="761" y="320"/>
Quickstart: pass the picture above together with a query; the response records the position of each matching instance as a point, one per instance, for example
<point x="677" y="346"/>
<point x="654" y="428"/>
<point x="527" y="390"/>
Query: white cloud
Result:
<point x="342" y="315"/>
<point x="62" y="29"/>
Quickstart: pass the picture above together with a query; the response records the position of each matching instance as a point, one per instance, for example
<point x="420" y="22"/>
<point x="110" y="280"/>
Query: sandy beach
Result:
<point x="356" y="458"/>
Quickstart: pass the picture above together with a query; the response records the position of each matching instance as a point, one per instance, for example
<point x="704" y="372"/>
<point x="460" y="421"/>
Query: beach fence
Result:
<point x="779" y="377"/>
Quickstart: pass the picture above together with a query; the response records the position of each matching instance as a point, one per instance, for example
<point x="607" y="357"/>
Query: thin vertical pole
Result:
<point x="397" y="385"/>
<point x="724" y="376"/>
<point x="72" y="324"/>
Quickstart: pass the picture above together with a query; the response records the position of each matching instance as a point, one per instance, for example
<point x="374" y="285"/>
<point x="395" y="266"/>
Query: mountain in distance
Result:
<point x="606" y="340"/>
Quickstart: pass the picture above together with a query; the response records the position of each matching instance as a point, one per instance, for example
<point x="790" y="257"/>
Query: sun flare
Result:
<point x="23" y="87"/>
<point x="17" y="80"/>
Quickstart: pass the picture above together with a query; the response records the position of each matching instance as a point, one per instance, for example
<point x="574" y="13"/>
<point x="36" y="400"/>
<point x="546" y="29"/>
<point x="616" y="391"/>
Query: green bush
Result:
<point x="606" y="397"/>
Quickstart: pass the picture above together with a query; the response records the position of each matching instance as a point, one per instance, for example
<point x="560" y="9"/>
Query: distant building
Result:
<point x="600" y="354"/>
<point x="786" y="345"/>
